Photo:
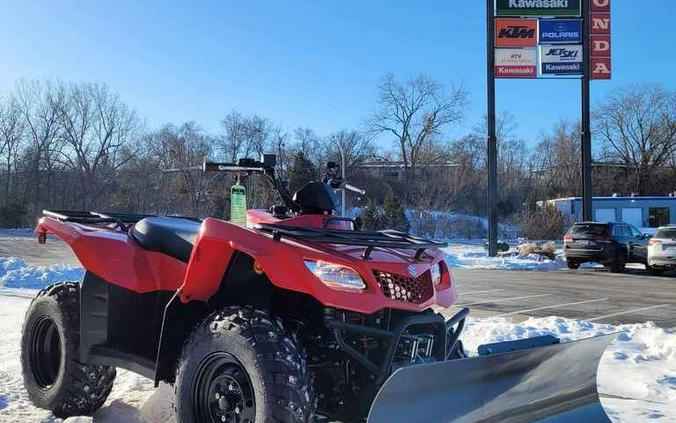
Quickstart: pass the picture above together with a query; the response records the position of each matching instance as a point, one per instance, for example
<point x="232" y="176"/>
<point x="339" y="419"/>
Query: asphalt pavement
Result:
<point x="590" y="294"/>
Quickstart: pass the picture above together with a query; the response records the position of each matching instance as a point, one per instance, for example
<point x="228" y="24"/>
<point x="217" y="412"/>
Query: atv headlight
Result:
<point x="436" y="273"/>
<point x="336" y="276"/>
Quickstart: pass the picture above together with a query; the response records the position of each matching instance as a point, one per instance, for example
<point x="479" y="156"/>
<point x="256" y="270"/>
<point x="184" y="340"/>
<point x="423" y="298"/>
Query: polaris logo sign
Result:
<point x="561" y="60"/>
<point x="565" y="31"/>
<point x="538" y="7"/>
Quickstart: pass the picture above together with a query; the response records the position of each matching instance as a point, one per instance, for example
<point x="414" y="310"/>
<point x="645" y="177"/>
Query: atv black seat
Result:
<point x="169" y="235"/>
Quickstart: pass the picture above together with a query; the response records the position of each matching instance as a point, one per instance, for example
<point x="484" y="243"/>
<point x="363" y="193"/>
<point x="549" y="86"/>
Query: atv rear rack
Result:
<point x="76" y="216"/>
<point x="369" y="239"/>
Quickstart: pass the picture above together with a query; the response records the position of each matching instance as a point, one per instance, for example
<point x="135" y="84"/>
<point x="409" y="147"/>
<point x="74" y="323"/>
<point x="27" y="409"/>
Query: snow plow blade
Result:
<point x="553" y="383"/>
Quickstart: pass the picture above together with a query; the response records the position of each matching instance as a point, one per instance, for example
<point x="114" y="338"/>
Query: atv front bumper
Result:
<point x="445" y="339"/>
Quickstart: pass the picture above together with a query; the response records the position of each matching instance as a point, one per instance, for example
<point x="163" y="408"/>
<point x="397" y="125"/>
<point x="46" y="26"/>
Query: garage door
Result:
<point x="604" y="215"/>
<point x="633" y="216"/>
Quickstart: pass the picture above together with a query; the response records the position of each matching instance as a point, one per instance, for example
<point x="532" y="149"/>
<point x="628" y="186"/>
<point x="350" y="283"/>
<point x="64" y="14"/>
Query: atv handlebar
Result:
<point x="266" y="166"/>
<point x="230" y="167"/>
<point x="354" y="189"/>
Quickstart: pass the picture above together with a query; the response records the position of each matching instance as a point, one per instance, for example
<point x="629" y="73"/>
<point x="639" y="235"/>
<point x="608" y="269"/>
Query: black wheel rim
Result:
<point x="222" y="391"/>
<point x="45" y="355"/>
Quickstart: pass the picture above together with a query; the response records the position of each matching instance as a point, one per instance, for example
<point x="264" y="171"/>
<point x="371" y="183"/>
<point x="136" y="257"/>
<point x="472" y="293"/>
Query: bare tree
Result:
<point x="11" y="133"/>
<point x="307" y="142"/>
<point x="179" y="149"/>
<point x="555" y="163"/>
<point x="414" y="112"/>
<point x="636" y="126"/>
<point x="96" y="126"/>
<point x="41" y="106"/>
<point x="232" y="142"/>
<point x="354" y="145"/>
<point x="243" y="136"/>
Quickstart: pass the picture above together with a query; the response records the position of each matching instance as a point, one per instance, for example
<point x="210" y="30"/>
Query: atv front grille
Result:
<point x="403" y="288"/>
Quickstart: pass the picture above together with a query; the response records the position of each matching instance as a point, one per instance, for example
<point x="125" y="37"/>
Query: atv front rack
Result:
<point x="369" y="239"/>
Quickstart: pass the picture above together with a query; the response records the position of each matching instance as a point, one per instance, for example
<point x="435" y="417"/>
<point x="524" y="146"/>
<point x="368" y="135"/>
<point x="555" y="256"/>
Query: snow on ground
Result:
<point x="15" y="273"/>
<point x="473" y="255"/>
<point x="637" y="375"/>
<point x="463" y="256"/>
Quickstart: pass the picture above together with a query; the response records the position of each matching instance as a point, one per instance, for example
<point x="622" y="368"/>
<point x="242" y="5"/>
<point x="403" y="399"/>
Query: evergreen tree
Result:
<point x="394" y="215"/>
<point x="302" y="171"/>
<point x="371" y="220"/>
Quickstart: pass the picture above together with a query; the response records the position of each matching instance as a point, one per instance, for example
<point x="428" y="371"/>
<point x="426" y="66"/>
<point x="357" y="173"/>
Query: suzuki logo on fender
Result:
<point x="516" y="32"/>
<point x="412" y="270"/>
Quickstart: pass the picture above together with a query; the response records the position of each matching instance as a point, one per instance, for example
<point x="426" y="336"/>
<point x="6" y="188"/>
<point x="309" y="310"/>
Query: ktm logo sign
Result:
<point x="515" y="33"/>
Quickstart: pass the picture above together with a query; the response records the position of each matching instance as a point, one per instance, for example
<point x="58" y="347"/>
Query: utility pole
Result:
<point x="492" y="147"/>
<point x="586" y="118"/>
<point x="342" y="172"/>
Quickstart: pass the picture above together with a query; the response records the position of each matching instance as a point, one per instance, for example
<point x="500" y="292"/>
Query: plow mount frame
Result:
<point x="448" y="331"/>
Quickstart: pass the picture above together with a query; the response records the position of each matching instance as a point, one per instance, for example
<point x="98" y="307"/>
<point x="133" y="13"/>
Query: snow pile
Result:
<point x="15" y="273"/>
<point x="637" y="374"/>
<point x="462" y="256"/>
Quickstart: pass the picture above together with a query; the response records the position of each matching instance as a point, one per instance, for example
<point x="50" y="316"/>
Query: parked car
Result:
<point x="612" y="244"/>
<point x="662" y="250"/>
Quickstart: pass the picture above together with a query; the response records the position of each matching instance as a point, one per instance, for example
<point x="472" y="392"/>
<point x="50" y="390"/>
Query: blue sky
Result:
<point x="303" y="63"/>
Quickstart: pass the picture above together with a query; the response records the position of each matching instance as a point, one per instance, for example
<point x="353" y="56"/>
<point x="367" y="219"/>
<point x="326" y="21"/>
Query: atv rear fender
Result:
<point x="282" y="261"/>
<point x="114" y="257"/>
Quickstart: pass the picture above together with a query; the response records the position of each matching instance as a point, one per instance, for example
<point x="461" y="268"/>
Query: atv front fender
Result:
<point x="282" y="262"/>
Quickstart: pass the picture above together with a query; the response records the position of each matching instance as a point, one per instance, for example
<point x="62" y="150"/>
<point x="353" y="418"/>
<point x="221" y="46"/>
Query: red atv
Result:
<point x="297" y="317"/>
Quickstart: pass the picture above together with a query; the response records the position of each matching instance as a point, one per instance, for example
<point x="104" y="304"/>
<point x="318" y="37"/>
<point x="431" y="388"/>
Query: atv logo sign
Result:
<point x="538" y="7"/>
<point x="565" y="31"/>
<point x="516" y="32"/>
<point x="561" y="60"/>
<point x="515" y="63"/>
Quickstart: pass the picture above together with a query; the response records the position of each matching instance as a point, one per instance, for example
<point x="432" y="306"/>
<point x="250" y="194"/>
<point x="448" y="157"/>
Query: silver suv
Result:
<point x="662" y="250"/>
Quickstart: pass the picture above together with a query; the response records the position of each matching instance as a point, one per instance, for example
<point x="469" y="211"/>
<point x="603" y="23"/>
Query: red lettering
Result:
<point x="600" y="68"/>
<point x="600" y="24"/>
<point x="600" y="46"/>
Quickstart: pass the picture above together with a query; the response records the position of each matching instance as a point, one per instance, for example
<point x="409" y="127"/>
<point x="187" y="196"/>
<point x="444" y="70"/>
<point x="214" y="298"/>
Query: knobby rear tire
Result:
<point x="229" y="345"/>
<point x="53" y="375"/>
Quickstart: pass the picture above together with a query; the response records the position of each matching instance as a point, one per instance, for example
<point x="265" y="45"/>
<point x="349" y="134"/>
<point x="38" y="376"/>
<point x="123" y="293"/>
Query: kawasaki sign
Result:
<point x="538" y="7"/>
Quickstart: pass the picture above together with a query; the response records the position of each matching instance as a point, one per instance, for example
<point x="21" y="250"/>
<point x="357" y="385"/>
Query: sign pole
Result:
<point x="586" y="147"/>
<point x="492" y="148"/>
